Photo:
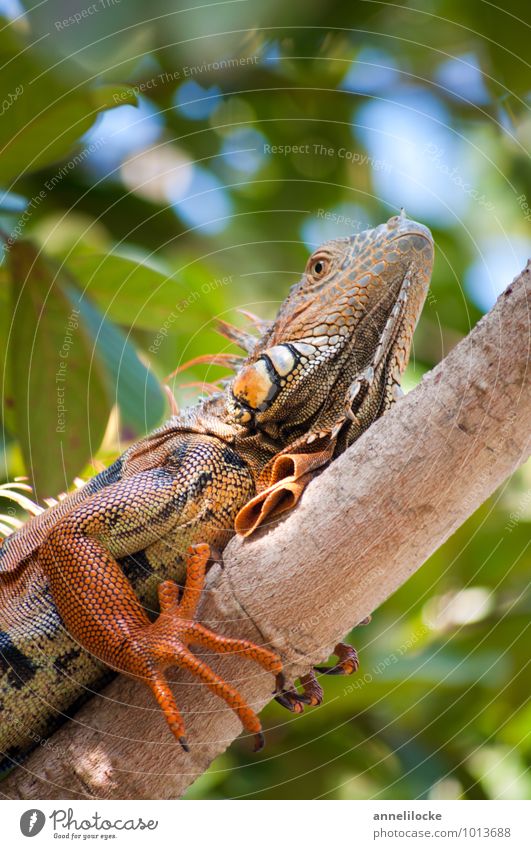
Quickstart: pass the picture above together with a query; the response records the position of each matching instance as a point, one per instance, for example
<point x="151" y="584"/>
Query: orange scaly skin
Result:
<point x="79" y="583"/>
<point x="82" y="574"/>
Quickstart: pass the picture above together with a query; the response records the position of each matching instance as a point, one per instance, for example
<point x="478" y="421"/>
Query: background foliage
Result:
<point x="162" y="167"/>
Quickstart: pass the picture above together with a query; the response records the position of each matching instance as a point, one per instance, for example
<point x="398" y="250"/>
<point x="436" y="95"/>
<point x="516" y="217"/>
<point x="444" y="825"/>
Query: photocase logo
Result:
<point x="31" y="822"/>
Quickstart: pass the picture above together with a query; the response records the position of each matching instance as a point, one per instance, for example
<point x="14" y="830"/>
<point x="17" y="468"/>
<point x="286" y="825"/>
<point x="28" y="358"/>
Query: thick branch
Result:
<point x="363" y="526"/>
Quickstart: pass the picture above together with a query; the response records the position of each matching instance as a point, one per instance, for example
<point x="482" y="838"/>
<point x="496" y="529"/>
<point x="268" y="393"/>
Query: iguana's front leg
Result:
<point x="100" y="610"/>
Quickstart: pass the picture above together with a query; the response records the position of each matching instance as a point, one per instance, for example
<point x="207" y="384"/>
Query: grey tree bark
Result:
<point x="362" y="528"/>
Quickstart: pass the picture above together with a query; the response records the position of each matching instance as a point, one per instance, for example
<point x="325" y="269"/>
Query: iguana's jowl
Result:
<point x="312" y="383"/>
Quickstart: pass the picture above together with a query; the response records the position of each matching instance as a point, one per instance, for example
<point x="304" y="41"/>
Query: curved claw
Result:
<point x="292" y="701"/>
<point x="348" y="662"/>
<point x="312" y="689"/>
<point x="259" y="741"/>
<point x="280" y="683"/>
<point x="312" y="694"/>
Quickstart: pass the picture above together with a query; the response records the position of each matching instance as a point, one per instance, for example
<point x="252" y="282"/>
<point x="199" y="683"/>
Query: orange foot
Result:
<point x="100" y="610"/>
<point x="165" y="643"/>
<point x="312" y="692"/>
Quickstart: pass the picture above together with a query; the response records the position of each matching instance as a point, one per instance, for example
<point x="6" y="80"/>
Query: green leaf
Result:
<point x="130" y="384"/>
<point x="127" y="291"/>
<point x="43" y="115"/>
<point x="59" y="389"/>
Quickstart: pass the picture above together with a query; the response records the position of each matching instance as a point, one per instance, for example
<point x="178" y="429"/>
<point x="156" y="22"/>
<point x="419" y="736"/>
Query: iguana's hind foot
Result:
<point x="167" y="640"/>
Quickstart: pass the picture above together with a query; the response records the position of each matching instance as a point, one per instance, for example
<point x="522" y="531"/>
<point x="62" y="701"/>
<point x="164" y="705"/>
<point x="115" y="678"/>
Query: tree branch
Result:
<point x="362" y="528"/>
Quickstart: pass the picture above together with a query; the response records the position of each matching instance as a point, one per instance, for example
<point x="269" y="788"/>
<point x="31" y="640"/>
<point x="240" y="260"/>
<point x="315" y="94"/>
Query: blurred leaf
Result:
<point x="59" y="392"/>
<point x="129" y="382"/>
<point x="46" y="114"/>
<point x="129" y="292"/>
<point x="5" y="375"/>
<point x="109" y="96"/>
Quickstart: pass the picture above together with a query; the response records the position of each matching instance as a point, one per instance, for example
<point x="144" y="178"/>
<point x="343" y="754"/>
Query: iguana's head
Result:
<point x="333" y="358"/>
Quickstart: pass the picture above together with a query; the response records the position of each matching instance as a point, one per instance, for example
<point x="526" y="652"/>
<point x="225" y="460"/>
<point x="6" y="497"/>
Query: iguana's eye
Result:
<point x="318" y="266"/>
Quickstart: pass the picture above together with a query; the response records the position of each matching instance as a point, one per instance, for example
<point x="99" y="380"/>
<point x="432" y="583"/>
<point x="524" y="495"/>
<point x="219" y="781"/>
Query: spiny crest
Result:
<point x="244" y="340"/>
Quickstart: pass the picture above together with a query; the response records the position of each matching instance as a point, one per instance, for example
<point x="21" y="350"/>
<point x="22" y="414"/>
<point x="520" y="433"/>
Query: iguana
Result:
<point x="79" y="582"/>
